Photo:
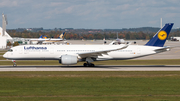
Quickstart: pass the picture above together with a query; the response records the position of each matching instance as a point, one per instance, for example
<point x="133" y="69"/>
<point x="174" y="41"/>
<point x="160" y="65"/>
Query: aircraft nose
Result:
<point x="5" y="55"/>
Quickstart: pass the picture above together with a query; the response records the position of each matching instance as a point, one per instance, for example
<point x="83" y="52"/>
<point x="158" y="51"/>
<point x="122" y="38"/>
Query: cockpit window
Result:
<point x="10" y="50"/>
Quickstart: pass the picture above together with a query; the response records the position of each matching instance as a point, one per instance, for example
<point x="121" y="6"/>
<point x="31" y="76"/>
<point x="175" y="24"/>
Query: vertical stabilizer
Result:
<point x="62" y="35"/>
<point x="161" y="36"/>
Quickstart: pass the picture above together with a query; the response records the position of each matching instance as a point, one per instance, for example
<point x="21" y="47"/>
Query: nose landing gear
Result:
<point x="14" y="63"/>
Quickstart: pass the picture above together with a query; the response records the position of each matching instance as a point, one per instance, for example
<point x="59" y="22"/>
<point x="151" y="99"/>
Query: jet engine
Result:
<point x="68" y="60"/>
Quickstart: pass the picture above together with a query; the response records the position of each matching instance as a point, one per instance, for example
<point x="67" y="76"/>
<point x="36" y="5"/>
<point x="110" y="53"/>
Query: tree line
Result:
<point x="78" y="36"/>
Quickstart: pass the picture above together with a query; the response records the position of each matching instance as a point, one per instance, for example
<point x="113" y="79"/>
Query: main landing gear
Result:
<point x="88" y="65"/>
<point x="14" y="63"/>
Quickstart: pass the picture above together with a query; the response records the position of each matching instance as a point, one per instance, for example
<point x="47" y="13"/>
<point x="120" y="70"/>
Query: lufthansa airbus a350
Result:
<point x="71" y="54"/>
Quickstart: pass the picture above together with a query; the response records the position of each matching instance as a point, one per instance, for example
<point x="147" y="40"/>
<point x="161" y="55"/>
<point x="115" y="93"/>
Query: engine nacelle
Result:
<point x="68" y="60"/>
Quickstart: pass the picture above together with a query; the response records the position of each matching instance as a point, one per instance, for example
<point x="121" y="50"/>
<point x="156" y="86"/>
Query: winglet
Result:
<point x="160" y="37"/>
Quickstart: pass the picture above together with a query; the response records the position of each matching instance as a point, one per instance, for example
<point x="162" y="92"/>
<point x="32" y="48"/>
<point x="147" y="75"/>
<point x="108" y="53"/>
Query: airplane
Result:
<point x="71" y="54"/>
<point x="117" y="41"/>
<point x="43" y="39"/>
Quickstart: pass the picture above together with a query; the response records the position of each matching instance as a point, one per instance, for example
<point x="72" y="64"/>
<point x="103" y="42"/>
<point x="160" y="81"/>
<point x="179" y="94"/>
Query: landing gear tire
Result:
<point x="88" y="65"/>
<point x="91" y="65"/>
<point x="85" y="65"/>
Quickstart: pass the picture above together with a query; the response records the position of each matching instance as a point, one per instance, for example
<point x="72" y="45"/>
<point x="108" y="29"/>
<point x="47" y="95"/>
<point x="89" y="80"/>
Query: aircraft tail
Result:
<point x="44" y="37"/>
<point x="62" y="35"/>
<point x="160" y="37"/>
<point x="41" y="37"/>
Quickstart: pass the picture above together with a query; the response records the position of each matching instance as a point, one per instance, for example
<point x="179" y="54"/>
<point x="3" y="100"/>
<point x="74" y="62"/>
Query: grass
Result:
<point x="1" y="53"/>
<point x="90" y="86"/>
<point x="110" y="62"/>
<point x="1" y="58"/>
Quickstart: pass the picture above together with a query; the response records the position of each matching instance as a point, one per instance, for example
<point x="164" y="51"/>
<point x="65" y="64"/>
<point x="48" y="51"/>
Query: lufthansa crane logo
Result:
<point x="162" y="35"/>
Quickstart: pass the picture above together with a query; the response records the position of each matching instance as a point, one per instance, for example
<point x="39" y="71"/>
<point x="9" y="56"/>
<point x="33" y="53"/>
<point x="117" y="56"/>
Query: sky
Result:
<point x="90" y="14"/>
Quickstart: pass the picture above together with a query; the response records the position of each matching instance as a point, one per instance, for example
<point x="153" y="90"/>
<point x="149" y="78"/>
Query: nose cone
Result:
<point x="5" y="56"/>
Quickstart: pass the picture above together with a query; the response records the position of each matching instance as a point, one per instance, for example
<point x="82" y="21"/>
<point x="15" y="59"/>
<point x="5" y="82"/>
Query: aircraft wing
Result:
<point x="99" y="53"/>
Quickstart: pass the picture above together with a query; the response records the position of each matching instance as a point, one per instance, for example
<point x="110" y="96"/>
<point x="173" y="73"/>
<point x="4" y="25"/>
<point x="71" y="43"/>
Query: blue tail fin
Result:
<point x="41" y="36"/>
<point x="160" y="37"/>
<point x="62" y="35"/>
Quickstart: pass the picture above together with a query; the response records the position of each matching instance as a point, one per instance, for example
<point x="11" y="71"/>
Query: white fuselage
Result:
<point x="44" y="41"/>
<point x="54" y="52"/>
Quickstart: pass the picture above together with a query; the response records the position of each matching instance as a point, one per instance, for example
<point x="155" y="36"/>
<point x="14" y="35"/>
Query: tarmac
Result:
<point x="97" y="68"/>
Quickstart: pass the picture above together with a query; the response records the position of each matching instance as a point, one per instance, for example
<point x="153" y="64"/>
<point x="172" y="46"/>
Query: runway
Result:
<point x="97" y="68"/>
